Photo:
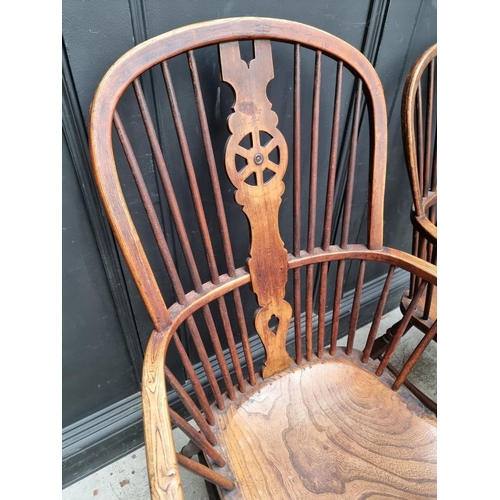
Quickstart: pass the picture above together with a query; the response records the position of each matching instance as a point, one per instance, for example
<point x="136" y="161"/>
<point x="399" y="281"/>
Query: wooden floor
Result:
<point x="328" y="431"/>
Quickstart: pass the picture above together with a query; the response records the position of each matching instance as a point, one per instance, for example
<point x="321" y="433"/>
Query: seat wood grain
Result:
<point x="325" y="431"/>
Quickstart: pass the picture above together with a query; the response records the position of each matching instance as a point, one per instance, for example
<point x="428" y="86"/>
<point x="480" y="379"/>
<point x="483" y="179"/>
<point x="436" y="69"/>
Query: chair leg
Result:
<point x="382" y="343"/>
<point x="189" y="451"/>
<point x="212" y="492"/>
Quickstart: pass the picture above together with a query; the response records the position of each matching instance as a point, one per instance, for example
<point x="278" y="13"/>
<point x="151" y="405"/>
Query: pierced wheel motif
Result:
<point x="256" y="159"/>
<point x="261" y="159"/>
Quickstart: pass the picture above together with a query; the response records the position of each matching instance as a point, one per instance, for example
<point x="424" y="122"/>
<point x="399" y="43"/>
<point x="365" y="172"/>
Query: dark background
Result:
<point x="104" y="328"/>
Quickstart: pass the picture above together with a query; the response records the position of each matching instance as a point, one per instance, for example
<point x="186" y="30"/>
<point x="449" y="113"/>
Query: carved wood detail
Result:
<point x="256" y="142"/>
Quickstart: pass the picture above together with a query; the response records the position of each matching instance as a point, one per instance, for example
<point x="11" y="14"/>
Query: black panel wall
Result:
<point x="105" y="327"/>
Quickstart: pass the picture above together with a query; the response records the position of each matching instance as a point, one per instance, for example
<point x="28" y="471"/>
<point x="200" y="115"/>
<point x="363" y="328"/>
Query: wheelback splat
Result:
<point x="261" y="198"/>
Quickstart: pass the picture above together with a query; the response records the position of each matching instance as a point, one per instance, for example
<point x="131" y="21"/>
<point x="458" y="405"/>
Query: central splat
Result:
<point x="257" y="142"/>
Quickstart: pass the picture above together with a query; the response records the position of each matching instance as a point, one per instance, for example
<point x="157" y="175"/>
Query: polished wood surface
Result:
<point x="381" y="439"/>
<point x="327" y="431"/>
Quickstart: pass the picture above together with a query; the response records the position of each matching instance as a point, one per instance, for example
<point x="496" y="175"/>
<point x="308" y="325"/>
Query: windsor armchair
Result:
<point x="277" y="410"/>
<point x="419" y="128"/>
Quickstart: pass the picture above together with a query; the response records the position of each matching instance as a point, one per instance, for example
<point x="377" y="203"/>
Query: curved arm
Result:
<point x="163" y="469"/>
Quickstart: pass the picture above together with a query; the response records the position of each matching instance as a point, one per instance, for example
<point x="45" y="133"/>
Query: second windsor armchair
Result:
<point x="419" y="129"/>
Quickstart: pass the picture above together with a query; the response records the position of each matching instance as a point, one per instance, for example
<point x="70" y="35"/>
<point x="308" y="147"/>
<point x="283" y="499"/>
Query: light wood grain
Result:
<point x="324" y="431"/>
<point x="163" y="470"/>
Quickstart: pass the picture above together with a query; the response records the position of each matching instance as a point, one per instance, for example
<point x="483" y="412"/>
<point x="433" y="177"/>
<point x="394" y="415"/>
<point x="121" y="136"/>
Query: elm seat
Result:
<point x="241" y="163"/>
<point x="329" y="431"/>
